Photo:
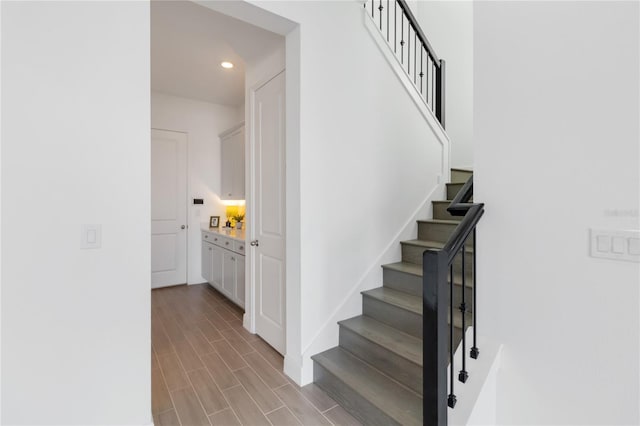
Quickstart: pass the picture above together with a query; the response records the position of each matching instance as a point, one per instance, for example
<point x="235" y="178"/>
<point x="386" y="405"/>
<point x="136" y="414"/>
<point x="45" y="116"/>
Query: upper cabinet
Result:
<point x="232" y="163"/>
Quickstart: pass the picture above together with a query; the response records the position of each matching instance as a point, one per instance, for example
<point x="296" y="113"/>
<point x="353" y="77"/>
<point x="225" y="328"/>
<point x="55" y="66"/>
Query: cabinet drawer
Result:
<point x="238" y="246"/>
<point x="225" y="243"/>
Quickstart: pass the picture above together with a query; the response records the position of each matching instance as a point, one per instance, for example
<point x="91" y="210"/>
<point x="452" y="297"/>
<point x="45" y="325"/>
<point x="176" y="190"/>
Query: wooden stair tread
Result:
<point x="460" y="169"/>
<point x="436" y="245"/>
<point x="402" y="344"/>
<point x="389" y="396"/>
<point x="396" y="298"/>
<point x="442" y="221"/>
<point x="406" y="267"/>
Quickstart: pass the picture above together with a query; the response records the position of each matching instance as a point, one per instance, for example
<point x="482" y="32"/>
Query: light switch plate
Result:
<point x="91" y="237"/>
<point x="615" y="244"/>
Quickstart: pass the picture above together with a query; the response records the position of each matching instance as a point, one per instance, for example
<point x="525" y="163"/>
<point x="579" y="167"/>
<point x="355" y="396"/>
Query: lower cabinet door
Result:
<point x="206" y="261"/>
<point x="229" y="274"/>
<point x="216" y="266"/>
<point x="240" y="287"/>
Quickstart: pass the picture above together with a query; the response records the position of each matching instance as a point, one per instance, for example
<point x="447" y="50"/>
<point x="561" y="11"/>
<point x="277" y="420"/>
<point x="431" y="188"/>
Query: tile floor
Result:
<point x="206" y="369"/>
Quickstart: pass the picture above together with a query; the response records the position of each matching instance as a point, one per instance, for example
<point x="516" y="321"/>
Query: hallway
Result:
<point x="208" y="370"/>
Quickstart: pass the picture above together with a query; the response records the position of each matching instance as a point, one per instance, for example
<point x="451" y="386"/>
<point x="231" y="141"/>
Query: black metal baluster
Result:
<point x="409" y="50"/>
<point x="421" y="73"/>
<point x="380" y="9"/>
<point x="463" y="310"/>
<point x="387" y="20"/>
<point x="415" y="56"/>
<point x="395" y="26"/>
<point x="402" y="38"/>
<point x="474" y="350"/>
<point x="426" y="83"/>
<point x="433" y="91"/>
<point x="373" y="9"/>
<point x="441" y="111"/>
<point x="451" y="400"/>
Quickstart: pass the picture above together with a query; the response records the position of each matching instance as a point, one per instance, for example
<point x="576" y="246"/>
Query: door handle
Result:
<point x="255" y="243"/>
<point x="182" y="227"/>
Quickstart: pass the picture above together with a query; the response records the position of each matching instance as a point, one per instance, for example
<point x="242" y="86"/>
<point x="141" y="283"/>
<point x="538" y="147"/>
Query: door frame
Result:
<point x="188" y="192"/>
<point x="294" y="361"/>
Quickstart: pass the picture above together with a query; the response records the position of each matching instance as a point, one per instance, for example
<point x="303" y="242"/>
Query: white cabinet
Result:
<point x="229" y="274"/>
<point x="206" y="260"/>
<point x="212" y="257"/>
<point x="216" y="266"/>
<point x="232" y="163"/>
<point x="223" y="265"/>
<point x="240" y="284"/>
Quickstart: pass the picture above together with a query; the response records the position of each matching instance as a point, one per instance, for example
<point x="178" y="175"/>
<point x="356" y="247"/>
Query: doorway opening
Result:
<point x="220" y="149"/>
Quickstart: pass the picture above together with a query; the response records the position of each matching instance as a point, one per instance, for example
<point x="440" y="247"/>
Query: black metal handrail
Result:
<point x="412" y="48"/>
<point x="438" y="308"/>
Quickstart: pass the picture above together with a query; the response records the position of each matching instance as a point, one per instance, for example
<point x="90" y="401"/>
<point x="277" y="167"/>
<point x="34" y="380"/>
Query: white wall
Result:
<point x="367" y="161"/>
<point x="75" y="145"/>
<point x="556" y="128"/>
<point x="449" y="27"/>
<point x="203" y="122"/>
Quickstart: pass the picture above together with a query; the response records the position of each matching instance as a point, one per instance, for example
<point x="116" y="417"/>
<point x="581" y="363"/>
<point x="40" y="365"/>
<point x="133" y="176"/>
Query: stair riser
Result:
<point x="349" y="399"/>
<point x="440" y="212"/>
<point x="414" y="254"/>
<point x="394" y="366"/>
<point x="406" y="321"/>
<point x="453" y="189"/>
<point x="402" y="281"/>
<point x="433" y="231"/>
<point x="412" y="284"/>
<point x="460" y="176"/>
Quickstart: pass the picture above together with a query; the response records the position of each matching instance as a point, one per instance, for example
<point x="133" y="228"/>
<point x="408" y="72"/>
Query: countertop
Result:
<point x="236" y="234"/>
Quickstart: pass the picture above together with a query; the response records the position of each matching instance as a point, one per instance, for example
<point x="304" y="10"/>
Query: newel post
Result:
<point x="440" y="92"/>
<point x="435" y="335"/>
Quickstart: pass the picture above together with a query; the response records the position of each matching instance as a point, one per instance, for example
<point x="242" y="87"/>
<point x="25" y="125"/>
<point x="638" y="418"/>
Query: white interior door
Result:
<point x="168" y="208"/>
<point x="269" y="207"/>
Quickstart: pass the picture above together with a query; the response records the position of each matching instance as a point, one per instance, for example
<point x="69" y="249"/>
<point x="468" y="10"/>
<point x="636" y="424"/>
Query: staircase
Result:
<point x="376" y="371"/>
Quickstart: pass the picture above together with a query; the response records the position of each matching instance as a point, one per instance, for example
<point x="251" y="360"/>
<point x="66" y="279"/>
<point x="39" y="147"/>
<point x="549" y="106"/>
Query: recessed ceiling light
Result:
<point x="227" y="65"/>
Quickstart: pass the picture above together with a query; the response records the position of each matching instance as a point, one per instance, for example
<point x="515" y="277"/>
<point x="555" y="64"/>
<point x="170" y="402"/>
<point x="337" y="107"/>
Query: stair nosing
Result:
<point x="393" y="267"/>
<point x="432" y="244"/>
<point x="440" y="221"/>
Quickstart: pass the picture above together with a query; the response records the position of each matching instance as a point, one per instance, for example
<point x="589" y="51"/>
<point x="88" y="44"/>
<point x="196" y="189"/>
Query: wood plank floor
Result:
<point x="208" y="370"/>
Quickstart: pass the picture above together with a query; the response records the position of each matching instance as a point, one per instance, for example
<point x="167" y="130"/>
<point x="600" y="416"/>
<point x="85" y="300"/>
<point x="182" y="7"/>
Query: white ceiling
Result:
<point x="188" y="43"/>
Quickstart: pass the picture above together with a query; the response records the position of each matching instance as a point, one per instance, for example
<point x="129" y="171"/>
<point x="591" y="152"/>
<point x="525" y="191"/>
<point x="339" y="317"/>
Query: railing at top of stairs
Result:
<point x="438" y="310"/>
<point x="413" y="50"/>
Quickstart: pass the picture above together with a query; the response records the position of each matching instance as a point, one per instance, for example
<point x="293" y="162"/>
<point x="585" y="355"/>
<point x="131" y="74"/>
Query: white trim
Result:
<point x="231" y="130"/>
<point x="293" y="299"/>
<point x="365" y="282"/>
